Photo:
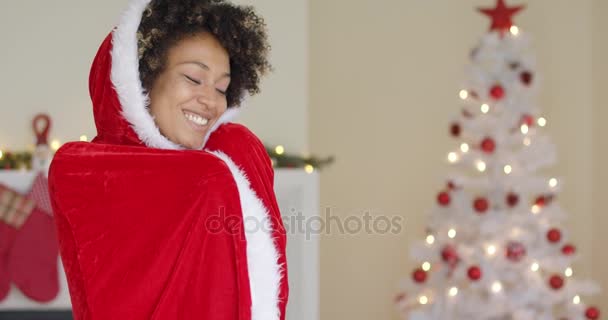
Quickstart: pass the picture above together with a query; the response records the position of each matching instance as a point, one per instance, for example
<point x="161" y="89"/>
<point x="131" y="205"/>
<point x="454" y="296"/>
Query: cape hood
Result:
<point x="150" y="231"/>
<point x="119" y="100"/>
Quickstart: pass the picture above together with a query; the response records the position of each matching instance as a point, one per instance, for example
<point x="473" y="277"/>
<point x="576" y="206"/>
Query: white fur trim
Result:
<point x="262" y="255"/>
<point x="125" y="77"/>
<point x="228" y="116"/>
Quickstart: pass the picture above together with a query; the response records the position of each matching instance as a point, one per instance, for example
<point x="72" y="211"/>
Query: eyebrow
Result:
<point x="206" y="67"/>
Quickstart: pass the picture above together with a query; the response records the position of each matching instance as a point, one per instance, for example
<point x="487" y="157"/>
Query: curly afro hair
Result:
<point x="238" y="28"/>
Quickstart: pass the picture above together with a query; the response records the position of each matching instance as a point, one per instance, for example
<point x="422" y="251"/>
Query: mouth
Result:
<point x="197" y="121"/>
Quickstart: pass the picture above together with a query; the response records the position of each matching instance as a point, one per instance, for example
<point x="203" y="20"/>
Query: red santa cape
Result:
<point x="150" y="231"/>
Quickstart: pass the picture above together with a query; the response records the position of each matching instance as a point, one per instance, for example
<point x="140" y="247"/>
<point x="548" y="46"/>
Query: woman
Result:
<point x="170" y="212"/>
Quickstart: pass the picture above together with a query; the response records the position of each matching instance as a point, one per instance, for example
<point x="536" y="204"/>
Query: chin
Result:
<point x="194" y="144"/>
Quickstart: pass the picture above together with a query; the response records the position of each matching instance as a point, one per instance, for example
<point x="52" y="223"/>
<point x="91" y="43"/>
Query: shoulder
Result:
<point x="242" y="146"/>
<point x="234" y="137"/>
<point x="234" y="131"/>
<point x="85" y="160"/>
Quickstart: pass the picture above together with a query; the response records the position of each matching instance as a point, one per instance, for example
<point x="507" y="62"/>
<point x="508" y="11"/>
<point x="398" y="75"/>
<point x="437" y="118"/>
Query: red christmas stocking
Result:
<point x="32" y="264"/>
<point x="7" y="238"/>
<point x="10" y="218"/>
<point x="33" y="260"/>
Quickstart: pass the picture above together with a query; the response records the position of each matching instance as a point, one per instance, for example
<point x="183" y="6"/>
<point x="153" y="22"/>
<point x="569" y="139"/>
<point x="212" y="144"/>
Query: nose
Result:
<point x="206" y="97"/>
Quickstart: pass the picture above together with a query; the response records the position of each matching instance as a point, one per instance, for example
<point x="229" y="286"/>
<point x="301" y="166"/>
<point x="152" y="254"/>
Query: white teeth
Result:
<point x="196" y="119"/>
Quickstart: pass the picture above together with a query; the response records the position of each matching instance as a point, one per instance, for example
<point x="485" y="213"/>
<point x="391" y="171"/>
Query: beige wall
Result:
<point x="48" y="46"/>
<point x="384" y="82"/>
<point x="47" y="49"/>
<point x="600" y="145"/>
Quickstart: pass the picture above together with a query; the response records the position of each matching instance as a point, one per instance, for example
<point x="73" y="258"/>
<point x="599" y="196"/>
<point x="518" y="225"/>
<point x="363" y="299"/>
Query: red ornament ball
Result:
<point x="512" y="199"/>
<point x="497" y="92"/>
<point x="474" y="273"/>
<point x="455" y="129"/>
<point x="452" y="185"/>
<point x="481" y="205"/>
<point x="443" y="198"/>
<point x="449" y="255"/>
<point x="540" y="201"/>
<point x="526" y="77"/>
<point x="554" y="235"/>
<point x="543" y="200"/>
<point x="488" y="145"/>
<point x="527" y="120"/>
<point x="419" y="275"/>
<point x="592" y="313"/>
<point x="556" y="282"/>
<point x="568" y="249"/>
<point x="515" y="251"/>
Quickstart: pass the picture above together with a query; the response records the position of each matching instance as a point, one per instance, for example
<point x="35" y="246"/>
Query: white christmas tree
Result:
<point x="495" y="245"/>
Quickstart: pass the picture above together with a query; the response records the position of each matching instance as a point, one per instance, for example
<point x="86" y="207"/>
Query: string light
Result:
<point x="485" y="108"/>
<point x="553" y="183"/>
<point x="279" y="150"/>
<point x="491" y="250"/>
<point x="464" y="94"/>
<point x="514" y="30"/>
<point x="568" y="273"/>
<point x="508" y="169"/>
<point x="481" y="166"/>
<point x="527" y="141"/>
<point x="55" y="145"/>
<point x="535" y="209"/>
<point x="426" y="266"/>
<point x="423" y="300"/>
<point x="309" y="169"/>
<point x="84" y="138"/>
<point x="452" y="157"/>
<point x="430" y="239"/>
<point x="535" y="267"/>
<point x="496" y="287"/>
<point x="452" y="233"/>
<point x="515" y="232"/>
<point x="524" y="129"/>
<point x="542" y="121"/>
<point x="576" y="300"/>
<point x="464" y="147"/>
<point x="453" y="291"/>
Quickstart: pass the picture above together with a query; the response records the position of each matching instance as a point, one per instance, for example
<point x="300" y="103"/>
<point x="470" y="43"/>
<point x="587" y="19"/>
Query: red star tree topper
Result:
<point x="501" y="16"/>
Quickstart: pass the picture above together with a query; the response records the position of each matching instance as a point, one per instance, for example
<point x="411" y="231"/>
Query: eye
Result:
<point x="221" y="92"/>
<point x="198" y="82"/>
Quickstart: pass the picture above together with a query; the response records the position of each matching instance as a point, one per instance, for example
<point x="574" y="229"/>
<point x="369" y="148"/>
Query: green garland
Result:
<point x="18" y="160"/>
<point x="282" y="160"/>
<point x="23" y="160"/>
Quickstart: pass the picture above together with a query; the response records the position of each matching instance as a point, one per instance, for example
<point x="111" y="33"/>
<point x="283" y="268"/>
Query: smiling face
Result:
<point x="189" y="95"/>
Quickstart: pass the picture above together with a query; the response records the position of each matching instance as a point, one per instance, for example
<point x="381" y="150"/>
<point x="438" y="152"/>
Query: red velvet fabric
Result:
<point x="32" y="263"/>
<point x="112" y="127"/>
<point x="133" y="224"/>
<point x="137" y="225"/>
